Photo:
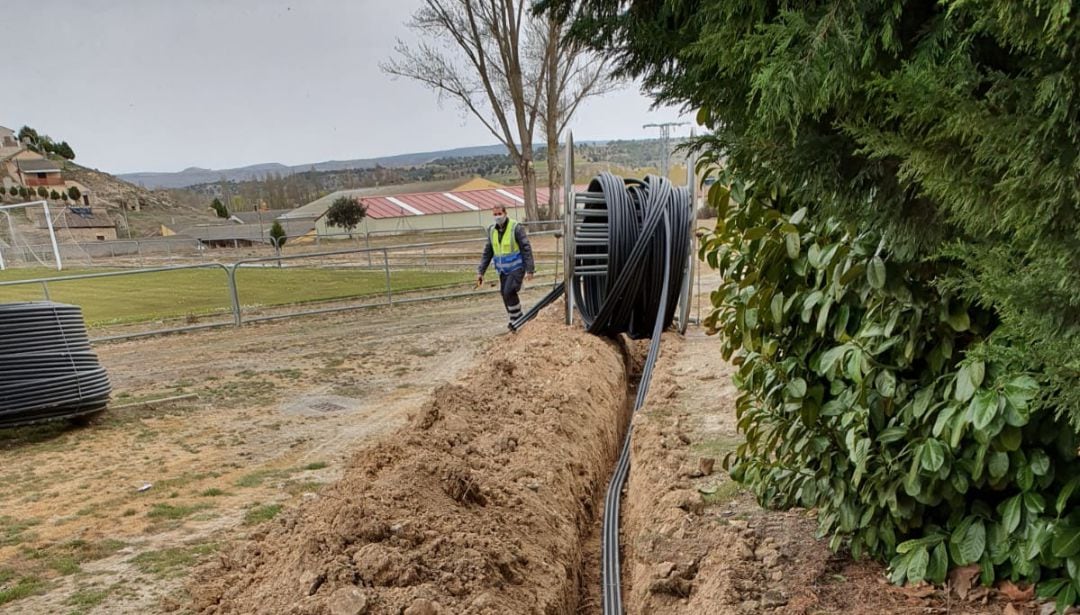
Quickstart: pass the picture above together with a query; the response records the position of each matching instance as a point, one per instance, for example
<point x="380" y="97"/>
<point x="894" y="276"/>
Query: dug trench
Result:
<point x="485" y="502"/>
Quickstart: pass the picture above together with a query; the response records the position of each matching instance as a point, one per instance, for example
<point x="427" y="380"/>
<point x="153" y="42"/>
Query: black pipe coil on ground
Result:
<point x="47" y="369"/>
<point x="641" y="229"/>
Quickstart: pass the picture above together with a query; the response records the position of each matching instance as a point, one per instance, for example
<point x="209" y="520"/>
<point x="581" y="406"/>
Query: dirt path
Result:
<point x="110" y="518"/>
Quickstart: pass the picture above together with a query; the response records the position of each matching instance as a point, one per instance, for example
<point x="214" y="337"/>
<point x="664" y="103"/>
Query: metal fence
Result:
<point x="119" y="304"/>
<point x="158" y="250"/>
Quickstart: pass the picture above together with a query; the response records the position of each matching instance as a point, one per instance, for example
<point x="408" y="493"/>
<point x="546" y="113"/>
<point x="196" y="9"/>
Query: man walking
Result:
<point x="508" y="246"/>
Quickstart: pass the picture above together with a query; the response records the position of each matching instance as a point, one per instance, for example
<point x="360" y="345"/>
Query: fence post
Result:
<point x="367" y="244"/>
<point x="558" y="257"/>
<point x="45" y="287"/>
<point x="234" y="294"/>
<point x="386" y="267"/>
<point x="425" y="258"/>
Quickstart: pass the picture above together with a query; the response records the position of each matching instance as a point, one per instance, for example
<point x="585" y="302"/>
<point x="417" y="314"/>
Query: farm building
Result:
<point x="399" y="210"/>
<point x="77" y="224"/>
<point x="247" y="228"/>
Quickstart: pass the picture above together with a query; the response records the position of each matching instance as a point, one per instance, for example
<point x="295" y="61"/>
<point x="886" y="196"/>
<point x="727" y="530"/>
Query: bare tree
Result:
<point x="574" y="73"/>
<point x="511" y="68"/>
<point x="472" y="52"/>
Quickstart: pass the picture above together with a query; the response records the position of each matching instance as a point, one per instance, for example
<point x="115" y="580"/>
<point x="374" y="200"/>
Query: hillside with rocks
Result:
<point x="143" y="209"/>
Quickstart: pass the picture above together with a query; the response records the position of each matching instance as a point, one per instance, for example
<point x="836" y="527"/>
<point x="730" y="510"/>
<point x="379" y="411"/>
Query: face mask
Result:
<point x="500" y="220"/>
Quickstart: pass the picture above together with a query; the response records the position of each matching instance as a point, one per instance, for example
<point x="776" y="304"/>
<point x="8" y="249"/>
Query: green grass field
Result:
<point x="199" y="292"/>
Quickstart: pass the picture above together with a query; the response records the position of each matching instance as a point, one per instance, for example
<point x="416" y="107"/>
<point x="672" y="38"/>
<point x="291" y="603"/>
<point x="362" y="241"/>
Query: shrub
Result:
<point x="74" y="193"/>
<point x="42" y="192"/>
<point x="277" y="234"/>
<point x="219" y="208"/>
<point x="865" y="393"/>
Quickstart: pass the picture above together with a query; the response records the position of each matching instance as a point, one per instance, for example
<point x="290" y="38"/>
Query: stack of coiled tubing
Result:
<point x="47" y="370"/>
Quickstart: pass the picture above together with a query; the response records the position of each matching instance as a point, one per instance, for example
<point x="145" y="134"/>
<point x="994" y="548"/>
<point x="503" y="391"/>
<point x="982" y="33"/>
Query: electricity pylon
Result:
<point x="665" y="140"/>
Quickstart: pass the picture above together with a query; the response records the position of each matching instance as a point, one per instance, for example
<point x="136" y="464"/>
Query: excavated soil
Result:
<point x="481" y="504"/>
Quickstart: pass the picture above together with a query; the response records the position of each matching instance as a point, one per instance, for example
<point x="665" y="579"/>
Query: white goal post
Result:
<point x="48" y="222"/>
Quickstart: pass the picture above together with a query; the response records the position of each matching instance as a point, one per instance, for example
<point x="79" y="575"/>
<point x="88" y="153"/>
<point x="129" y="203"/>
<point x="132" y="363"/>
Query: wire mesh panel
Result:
<point x="130" y="301"/>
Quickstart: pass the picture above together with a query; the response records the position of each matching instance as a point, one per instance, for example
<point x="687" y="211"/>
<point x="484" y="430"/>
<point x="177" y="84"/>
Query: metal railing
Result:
<point x="348" y="269"/>
<point x="158" y="249"/>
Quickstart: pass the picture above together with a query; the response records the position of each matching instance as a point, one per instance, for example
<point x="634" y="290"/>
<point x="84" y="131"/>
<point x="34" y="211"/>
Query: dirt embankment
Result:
<point x="695" y="543"/>
<point x="480" y="505"/>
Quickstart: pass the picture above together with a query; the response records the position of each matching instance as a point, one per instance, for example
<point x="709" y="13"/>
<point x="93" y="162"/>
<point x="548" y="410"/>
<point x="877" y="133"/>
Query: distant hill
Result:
<point x="194" y="175"/>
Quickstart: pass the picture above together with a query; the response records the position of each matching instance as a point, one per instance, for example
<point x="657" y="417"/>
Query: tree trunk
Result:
<point x="554" y="189"/>
<point x="552" y="116"/>
<point x="528" y="184"/>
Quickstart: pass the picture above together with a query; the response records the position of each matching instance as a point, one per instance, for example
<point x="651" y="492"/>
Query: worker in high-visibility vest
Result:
<point x="508" y="246"/>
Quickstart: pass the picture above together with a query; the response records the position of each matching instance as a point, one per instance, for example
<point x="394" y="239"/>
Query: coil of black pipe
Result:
<point x="47" y="369"/>
<point x="631" y="245"/>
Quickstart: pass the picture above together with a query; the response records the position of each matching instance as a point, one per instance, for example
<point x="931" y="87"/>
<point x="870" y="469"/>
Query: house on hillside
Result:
<point x="21" y="167"/>
<point x="8" y="139"/>
<point x="415" y="207"/>
<point x="39" y="172"/>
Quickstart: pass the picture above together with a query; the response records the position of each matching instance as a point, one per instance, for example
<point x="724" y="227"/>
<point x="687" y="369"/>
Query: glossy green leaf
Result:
<point x="796" y="389"/>
<point x="1066" y="492"/>
<point x="792" y="244"/>
<point x="939" y="565"/>
<point x="885" y="383"/>
<point x="1010" y="513"/>
<point x="917" y="565"/>
<point x="933" y="456"/>
<point x="971" y="543"/>
<point x="984" y="407"/>
<point x="1066" y="541"/>
<point x="875" y="272"/>
<point x="998" y="464"/>
<point x="968" y="379"/>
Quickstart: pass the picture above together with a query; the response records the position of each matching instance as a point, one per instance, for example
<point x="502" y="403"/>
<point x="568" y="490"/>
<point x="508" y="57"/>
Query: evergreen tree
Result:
<point x="64" y="150"/>
<point x="949" y="132"/>
<point x="219" y="208"/>
<point x="277" y="234"/>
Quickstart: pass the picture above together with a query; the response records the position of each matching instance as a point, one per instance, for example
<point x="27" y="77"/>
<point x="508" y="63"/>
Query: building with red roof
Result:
<point x="391" y="211"/>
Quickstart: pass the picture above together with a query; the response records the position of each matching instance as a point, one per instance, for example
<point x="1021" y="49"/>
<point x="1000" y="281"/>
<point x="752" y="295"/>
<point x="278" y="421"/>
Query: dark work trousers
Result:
<point x="509" y="285"/>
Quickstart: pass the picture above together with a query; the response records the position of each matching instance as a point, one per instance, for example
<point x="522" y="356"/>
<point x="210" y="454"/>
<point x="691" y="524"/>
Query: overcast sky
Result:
<point x="160" y="85"/>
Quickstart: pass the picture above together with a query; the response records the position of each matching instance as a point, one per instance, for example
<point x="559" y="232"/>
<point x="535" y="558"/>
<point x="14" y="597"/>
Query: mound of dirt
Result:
<point x="479" y="505"/>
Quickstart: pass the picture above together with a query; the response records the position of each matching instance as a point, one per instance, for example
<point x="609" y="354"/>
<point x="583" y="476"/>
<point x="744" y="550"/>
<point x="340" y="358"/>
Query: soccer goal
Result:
<point x="17" y="244"/>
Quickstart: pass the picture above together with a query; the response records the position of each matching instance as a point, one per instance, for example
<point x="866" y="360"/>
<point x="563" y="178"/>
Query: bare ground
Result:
<point x="280" y="406"/>
<point x="283" y="409"/>
<point x="477" y="506"/>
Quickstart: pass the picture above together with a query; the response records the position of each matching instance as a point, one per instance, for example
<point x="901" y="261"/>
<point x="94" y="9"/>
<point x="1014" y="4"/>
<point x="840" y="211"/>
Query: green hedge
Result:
<point x="865" y="393"/>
